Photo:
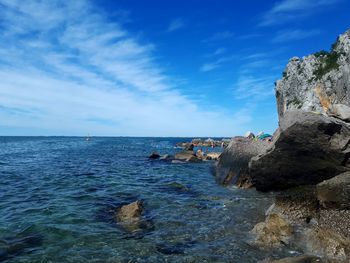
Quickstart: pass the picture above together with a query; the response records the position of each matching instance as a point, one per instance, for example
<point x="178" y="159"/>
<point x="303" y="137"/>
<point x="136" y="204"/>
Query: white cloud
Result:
<point x="176" y="24"/>
<point x="287" y="10"/>
<point x="215" y="64"/>
<point x="295" y="34"/>
<point x="66" y="69"/>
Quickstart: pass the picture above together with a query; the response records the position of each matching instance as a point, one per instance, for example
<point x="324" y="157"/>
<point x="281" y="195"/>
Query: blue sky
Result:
<point x="153" y="68"/>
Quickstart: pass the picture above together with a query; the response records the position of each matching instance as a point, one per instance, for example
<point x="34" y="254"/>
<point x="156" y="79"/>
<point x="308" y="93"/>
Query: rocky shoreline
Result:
<point x="307" y="163"/>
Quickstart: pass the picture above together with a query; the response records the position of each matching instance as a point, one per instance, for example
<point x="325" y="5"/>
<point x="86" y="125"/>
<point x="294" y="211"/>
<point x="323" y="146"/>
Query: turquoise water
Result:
<point x="58" y="196"/>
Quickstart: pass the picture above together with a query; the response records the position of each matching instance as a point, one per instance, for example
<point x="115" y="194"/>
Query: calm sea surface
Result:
<point x="58" y="196"/>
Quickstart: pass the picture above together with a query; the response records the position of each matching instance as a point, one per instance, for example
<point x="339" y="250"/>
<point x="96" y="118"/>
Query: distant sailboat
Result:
<point x="88" y="138"/>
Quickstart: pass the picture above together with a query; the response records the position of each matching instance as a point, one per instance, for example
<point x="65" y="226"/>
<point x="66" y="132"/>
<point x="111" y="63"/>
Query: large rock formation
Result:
<point x="307" y="149"/>
<point x="233" y="163"/>
<point x="318" y="82"/>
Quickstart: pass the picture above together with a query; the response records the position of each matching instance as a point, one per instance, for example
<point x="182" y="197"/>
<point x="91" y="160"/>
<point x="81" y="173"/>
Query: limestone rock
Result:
<point x="307" y="149"/>
<point x="335" y="192"/>
<point x="273" y="232"/>
<point x="316" y="82"/>
<point x="233" y="162"/>
<point x="340" y="111"/>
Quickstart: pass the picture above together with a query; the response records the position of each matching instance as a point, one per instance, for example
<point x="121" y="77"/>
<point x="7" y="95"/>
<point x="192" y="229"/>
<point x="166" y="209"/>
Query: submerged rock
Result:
<point x="194" y="159"/>
<point x="274" y="232"/>
<point x="154" y="156"/>
<point x="307" y="149"/>
<point x="335" y="192"/>
<point x="130" y="212"/>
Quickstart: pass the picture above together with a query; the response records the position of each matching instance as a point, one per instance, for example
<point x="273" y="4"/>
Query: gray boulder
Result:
<point x="335" y="192"/>
<point x="307" y="149"/>
<point x="233" y="163"/>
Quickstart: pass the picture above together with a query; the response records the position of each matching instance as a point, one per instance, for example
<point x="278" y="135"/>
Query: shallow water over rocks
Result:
<point x="58" y="196"/>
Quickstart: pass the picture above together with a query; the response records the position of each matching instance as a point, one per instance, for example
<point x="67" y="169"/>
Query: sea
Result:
<point x="58" y="197"/>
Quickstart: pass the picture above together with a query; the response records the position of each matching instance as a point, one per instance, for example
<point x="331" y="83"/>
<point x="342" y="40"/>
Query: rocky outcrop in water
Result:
<point x="310" y="147"/>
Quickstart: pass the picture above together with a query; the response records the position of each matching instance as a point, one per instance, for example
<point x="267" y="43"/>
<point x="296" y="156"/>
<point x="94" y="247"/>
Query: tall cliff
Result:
<point x="318" y="83"/>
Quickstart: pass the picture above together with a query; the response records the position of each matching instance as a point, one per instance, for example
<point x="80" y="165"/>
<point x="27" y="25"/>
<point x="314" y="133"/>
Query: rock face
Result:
<point x="335" y="192"/>
<point x="317" y="82"/>
<point x="307" y="149"/>
<point x="233" y="163"/>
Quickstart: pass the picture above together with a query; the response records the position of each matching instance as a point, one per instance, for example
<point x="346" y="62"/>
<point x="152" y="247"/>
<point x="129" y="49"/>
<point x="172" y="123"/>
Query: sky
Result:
<point x="153" y="68"/>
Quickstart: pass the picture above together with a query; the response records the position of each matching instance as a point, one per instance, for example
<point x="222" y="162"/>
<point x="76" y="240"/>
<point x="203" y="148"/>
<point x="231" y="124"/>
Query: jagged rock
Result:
<point x="317" y="82"/>
<point x="154" y="156"/>
<point x="307" y="149"/>
<point x="233" y="162"/>
<point x="335" y="192"/>
<point x="327" y="244"/>
<point x="274" y="232"/>
<point x="130" y="212"/>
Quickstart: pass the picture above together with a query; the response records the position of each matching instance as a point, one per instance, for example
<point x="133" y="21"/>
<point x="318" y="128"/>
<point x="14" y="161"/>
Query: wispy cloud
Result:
<point x="176" y="24"/>
<point x="287" y="10"/>
<point x="222" y="35"/>
<point x="294" y="34"/>
<point x="67" y="69"/>
<point x="215" y="64"/>
<point x="254" y="88"/>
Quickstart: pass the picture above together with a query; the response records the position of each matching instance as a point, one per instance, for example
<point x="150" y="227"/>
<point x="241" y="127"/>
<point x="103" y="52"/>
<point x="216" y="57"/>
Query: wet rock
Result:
<point x="194" y="159"/>
<point x="130" y="212"/>
<point x="307" y="149"/>
<point x="233" y="162"/>
<point x="167" y="157"/>
<point x="335" y="192"/>
<point x="327" y="244"/>
<point x="184" y="155"/>
<point x="154" y="156"/>
<point x="213" y="156"/>
<point x="189" y="147"/>
<point x="298" y="259"/>
<point x="274" y="232"/>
